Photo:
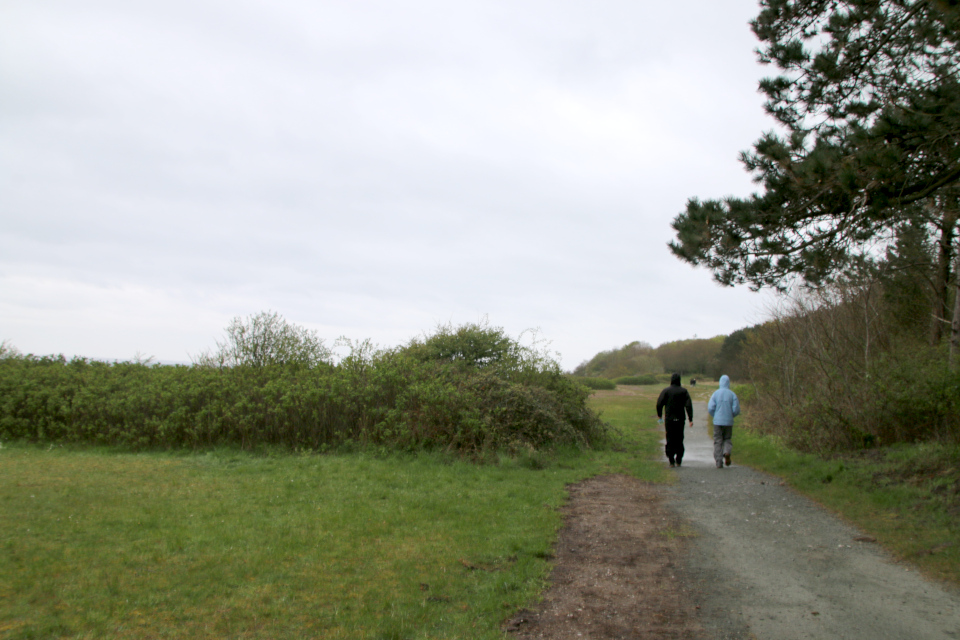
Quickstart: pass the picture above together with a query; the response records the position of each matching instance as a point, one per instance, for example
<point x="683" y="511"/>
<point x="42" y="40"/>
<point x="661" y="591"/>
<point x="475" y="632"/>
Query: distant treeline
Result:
<point x="469" y="389"/>
<point x="711" y="357"/>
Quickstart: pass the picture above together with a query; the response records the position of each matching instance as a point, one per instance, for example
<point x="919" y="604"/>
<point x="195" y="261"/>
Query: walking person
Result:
<point x="673" y="402"/>
<point x="723" y="407"/>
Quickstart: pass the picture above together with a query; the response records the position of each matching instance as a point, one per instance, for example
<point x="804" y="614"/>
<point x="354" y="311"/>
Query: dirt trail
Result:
<point x="617" y="569"/>
<point x="725" y="554"/>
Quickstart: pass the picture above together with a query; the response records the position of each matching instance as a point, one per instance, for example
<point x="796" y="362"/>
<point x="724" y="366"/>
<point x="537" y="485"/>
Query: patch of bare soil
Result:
<point x="618" y="569"/>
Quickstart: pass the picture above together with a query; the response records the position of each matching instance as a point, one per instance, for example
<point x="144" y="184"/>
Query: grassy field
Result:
<point x="224" y="544"/>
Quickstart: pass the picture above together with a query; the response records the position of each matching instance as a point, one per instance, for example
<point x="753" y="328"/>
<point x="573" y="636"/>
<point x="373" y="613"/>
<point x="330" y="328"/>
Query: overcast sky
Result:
<point x="366" y="168"/>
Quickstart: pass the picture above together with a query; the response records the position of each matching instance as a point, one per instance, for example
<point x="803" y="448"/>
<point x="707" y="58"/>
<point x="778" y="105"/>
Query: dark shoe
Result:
<point x="678" y="462"/>
<point x="726" y="458"/>
<point x="671" y="463"/>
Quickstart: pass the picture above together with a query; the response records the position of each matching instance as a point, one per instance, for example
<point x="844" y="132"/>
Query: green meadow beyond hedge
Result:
<point x="469" y="389"/>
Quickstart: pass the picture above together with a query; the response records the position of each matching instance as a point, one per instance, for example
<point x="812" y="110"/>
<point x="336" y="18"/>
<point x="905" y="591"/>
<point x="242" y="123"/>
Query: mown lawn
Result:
<point x="103" y="544"/>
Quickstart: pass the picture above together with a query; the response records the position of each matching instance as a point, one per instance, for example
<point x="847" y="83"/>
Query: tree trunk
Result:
<point x="955" y="328"/>
<point x="954" y="206"/>
<point x="948" y="226"/>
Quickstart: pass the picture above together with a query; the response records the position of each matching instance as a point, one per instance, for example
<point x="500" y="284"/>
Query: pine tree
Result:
<point x="868" y="105"/>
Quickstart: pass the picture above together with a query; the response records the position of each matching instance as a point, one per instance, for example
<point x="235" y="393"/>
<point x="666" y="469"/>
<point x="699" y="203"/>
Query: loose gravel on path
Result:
<point x="725" y="554"/>
<point x="770" y="563"/>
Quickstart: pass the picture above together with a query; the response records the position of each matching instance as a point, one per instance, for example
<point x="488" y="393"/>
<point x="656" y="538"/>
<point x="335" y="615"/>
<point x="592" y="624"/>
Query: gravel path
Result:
<point x="768" y="563"/>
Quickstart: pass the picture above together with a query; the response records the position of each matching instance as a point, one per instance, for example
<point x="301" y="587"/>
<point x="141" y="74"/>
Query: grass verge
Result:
<point x="100" y="544"/>
<point x="906" y="496"/>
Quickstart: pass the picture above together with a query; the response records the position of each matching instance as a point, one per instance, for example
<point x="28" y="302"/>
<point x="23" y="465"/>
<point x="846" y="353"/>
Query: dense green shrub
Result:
<point x="746" y="393"/>
<point x="597" y="384"/>
<point x="637" y="380"/>
<point x="915" y="396"/>
<point x="471" y="345"/>
<point x="405" y="398"/>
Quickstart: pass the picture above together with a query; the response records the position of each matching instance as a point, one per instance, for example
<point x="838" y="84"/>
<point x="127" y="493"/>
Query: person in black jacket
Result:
<point x="674" y="401"/>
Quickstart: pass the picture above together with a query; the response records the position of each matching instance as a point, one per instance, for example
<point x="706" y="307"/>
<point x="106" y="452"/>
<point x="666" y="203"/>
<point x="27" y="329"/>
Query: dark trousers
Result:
<point x="674" y="440"/>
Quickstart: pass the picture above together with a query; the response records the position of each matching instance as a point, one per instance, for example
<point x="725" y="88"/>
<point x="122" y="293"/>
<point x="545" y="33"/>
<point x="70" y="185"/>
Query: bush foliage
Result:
<point x="469" y="389"/>
<point x="264" y="339"/>
<point x="597" y="384"/>
<point x="832" y="372"/>
<point x="637" y="380"/>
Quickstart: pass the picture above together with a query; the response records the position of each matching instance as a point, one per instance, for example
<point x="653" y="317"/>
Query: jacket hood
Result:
<point x="724" y="382"/>
<point x="675" y="379"/>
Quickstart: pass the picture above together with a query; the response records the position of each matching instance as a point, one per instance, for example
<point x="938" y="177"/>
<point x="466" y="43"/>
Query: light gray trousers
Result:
<point x="722" y="441"/>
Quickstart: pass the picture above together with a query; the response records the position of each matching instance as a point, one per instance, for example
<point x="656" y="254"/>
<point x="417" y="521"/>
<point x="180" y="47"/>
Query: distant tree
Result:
<point x="264" y="339"/>
<point x="636" y="358"/>
<point x="731" y="359"/>
<point x="7" y="350"/>
<point x="912" y="282"/>
<point x="690" y="356"/>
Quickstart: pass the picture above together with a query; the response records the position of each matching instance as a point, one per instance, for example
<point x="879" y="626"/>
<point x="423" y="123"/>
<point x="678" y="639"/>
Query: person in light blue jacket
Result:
<point x="723" y="407"/>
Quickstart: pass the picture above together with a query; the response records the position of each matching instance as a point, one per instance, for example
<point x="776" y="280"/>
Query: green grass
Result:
<point x="634" y="416"/>
<point x="100" y="544"/>
<point x="596" y="384"/>
<point x="636" y="380"/>
<point x="906" y="496"/>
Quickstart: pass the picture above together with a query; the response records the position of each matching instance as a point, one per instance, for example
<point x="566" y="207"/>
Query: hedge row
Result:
<point x="392" y="398"/>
